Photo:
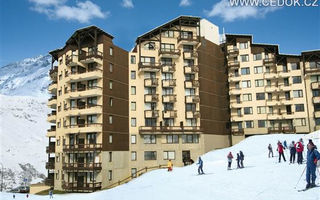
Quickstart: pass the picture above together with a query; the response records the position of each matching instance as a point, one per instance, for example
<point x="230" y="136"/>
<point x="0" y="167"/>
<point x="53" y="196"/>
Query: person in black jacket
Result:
<point x="238" y="160"/>
<point x="293" y="152"/>
<point x="241" y="159"/>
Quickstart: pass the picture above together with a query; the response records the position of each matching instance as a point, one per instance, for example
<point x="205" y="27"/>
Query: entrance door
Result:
<point x="80" y="181"/>
<point x="186" y="158"/>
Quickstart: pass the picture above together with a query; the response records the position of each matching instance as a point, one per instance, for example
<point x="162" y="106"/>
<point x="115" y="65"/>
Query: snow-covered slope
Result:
<point x="28" y="77"/>
<point x="262" y="178"/>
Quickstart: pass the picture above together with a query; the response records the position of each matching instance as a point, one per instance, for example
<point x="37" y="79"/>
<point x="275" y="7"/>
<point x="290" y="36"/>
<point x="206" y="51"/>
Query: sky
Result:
<point x="29" y="28"/>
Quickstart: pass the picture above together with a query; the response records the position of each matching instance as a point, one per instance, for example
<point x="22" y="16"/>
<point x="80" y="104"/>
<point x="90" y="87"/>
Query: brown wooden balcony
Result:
<point x="151" y="113"/>
<point x="92" y="56"/>
<point x="192" y="99"/>
<point x="151" y="97"/>
<point x="71" y="60"/>
<point x="166" y="129"/>
<point x="289" y="129"/>
<point x="168" y="67"/>
<point x="274" y="130"/>
<point x="269" y="61"/>
<point x="82" y="147"/>
<point x="237" y="131"/>
<point x="172" y="53"/>
<point x="233" y="64"/>
<point x="151" y="82"/>
<point x="169" y="114"/>
<point x="50" y="165"/>
<point x="191" y="69"/>
<point x="82" y="166"/>
<point x="171" y="98"/>
<point x="234" y="52"/>
<point x="51" y="148"/>
<point x="81" y="187"/>
<point x="149" y="66"/>
<point x="169" y="83"/>
<point x="191" y="40"/>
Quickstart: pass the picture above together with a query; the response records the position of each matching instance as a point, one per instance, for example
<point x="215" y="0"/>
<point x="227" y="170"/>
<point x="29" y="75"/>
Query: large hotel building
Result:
<point x="180" y="92"/>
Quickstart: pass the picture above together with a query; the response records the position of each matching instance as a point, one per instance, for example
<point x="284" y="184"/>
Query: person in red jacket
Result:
<point x="230" y="157"/>
<point x="299" y="148"/>
<point x="280" y="150"/>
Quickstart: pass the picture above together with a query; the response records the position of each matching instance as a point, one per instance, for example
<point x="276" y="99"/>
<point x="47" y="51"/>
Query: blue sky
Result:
<point x="33" y="27"/>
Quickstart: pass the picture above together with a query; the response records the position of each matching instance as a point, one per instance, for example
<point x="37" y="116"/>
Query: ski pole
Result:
<point x="300" y="177"/>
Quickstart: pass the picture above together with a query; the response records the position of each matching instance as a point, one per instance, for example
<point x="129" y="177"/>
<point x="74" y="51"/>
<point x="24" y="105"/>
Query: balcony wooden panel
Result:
<point x="233" y="64"/>
<point x="82" y="147"/>
<point x="168" y="129"/>
<point x="53" y="73"/>
<point x="169" y="98"/>
<point x="50" y="165"/>
<point x="151" y="113"/>
<point x="192" y="99"/>
<point x="85" y="92"/>
<point x="168" y="68"/>
<point x="85" y="128"/>
<point x="151" y="82"/>
<point x="269" y="61"/>
<point x="82" y="166"/>
<point x="90" y="57"/>
<point x="191" y="69"/>
<point x="170" y="53"/>
<point x="149" y="66"/>
<point x="81" y="187"/>
<point x="234" y="52"/>
<point x="189" y="40"/>
<point x="169" y="114"/>
<point x="87" y="109"/>
<point x="88" y="74"/>
<point x="274" y="130"/>
<point x="237" y="131"/>
<point x="151" y="97"/>
<point x="71" y="60"/>
<point x="169" y="83"/>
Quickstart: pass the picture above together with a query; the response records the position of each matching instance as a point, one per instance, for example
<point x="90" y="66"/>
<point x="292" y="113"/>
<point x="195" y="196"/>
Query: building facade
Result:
<point x="176" y="95"/>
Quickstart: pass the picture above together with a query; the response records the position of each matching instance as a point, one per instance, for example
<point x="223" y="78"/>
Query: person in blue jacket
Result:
<point x="200" y="163"/>
<point x="312" y="156"/>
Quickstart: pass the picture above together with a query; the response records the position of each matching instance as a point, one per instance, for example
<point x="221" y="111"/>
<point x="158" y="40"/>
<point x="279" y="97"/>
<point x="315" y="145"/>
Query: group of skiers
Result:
<point x="240" y="158"/>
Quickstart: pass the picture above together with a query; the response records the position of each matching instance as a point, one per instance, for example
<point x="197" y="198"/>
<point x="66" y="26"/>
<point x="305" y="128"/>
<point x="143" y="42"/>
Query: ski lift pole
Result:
<point x="300" y="177"/>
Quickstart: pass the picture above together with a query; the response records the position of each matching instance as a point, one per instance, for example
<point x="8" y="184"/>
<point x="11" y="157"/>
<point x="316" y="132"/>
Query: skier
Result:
<point x="230" y="157"/>
<point x="280" y="150"/>
<point x="241" y="159"/>
<point x="238" y="160"/>
<point x="285" y="144"/>
<point x="51" y="194"/>
<point x="27" y="195"/>
<point x="270" y="150"/>
<point x="13" y="196"/>
<point x="312" y="157"/>
<point x="292" y="149"/>
<point x="200" y="163"/>
<point x="299" y="149"/>
<point x="170" y="165"/>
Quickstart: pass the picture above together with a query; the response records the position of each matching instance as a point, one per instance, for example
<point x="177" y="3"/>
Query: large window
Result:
<point x="245" y="71"/>
<point x="296" y="79"/>
<point x="300" y="122"/>
<point x="169" y="34"/>
<point x="247" y="97"/>
<point x="190" y="138"/>
<point x="246" y="84"/>
<point x="297" y="93"/>
<point x="248" y="124"/>
<point x="150" y="155"/>
<point x="144" y="59"/>
<point x="261" y="109"/>
<point x="295" y="66"/>
<point x="260" y="96"/>
<point x="172" y="139"/>
<point x="150" y="46"/>
<point x="299" y="108"/>
<point x="257" y="56"/>
<point x="186" y="34"/>
<point x="262" y="123"/>
<point x="167" y="47"/>
<point x="243" y="45"/>
<point x="133" y="139"/>
<point x="133" y="59"/>
<point x="258" y="70"/>
<point x="247" y="110"/>
<point x="259" y="83"/>
<point x="244" y="58"/>
<point x="92" y="119"/>
<point x="149" y="139"/>
<point x="169" y="155"/>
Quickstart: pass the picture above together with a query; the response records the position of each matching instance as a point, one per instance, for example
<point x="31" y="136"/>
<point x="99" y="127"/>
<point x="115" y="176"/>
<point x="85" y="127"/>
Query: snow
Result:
<point x="262" y="178"/>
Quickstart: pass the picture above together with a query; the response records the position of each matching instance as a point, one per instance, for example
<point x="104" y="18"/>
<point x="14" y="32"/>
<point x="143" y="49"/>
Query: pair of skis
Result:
<point x="303" y="190"/>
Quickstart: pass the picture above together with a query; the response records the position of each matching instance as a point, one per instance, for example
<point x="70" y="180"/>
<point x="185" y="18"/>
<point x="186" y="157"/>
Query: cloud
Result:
<point x="127" y="4"/>
<point x="185" y="3"/>
<point x="230" y="13"/>
<point x="82" y="12"/>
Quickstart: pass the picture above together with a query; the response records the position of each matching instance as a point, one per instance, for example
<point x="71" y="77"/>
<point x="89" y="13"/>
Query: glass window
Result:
<point x="133" y="106"/>
<point x="150" y="46"/>
<point x="110" y="84"/>
<point x="133" y="59"/>
<point x="257" y="56"/>
<point x="297" y="93"/>
<point x="110" y="138"/>
<point x="111" y="51"/>
<point x="248" y="124"/>
<point x="258" y="70"/>
<point x="167" y="47"/>
<point x="110" y="101"/>
<point x="247" y="97"/>
<point x="299" y="108"/>
<point x="133" y="90"/>
<point x="246" y="84"/>
<point x="110" y="175"/>
<point x="300" y="122"/>
<point x="295" y="66"/>
<point x="247" y="110"/>
<point x="92" y="119"/>
<point x="245" y="71"/>
<point x="133" y="155"/>
<point x="133" y="75"/>
<point x="134" y="172"/>
<point x="244" y="58"/>
<point x="260" y="96"/>
<point x="110" y="119"/>
<point x="243" y="45"/>
<point x="144" y="59"/>
<point x="149" y="139"/>
<point x="133" y="122"/>
<point x="169" y="155"/>
<point x="150" y="155"/>
<point x="262" y="123"/>
<point x="259" y="83"/>
<point x="133" y="139"/>
<point x="172" y="139"/>
<point x="190" y="138"/>
<point x="296" y="79"/>
<point x="110" y="67"/>
<point x="261" y="109"/>
<point x="169" y="34"/>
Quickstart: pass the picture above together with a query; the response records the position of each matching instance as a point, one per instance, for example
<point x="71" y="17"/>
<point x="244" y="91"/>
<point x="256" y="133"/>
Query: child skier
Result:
<point x="230" y="157"/>
<point x="312" y="157"/>
<point x="200" y="163"/>
<point x="170" y="165"/>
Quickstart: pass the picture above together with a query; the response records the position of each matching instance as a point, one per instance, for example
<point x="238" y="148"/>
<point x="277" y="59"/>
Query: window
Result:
<point x="167" y="47"/>
<point x="133" y="122"/>
<point x="110" y="175"/>
<point x="111" y="51"/>
<point x="247" y="110"/>
<point x="297" y="93"/>
<point x="169" y="34"/>
<point x="301" y="122"/>
<point x="188" y="48"/>
<point x="172" y="139"/>
<point x="149" y="139"/>
<point x="258" y="70"/>
<point x="317" y="121"/>
<point x="150" y="46"/>
<point x="295" y="66"/>
<point x="284" y="68"/>
<point x="314" y="64"/>
<point x="110" y="156"/>
<point x="186" y="34"/>
<point x="92" y="119"/>
<point x="287" y="95"/>
<point x="133" y="90"/>
<point x="259" y="83"/>
<point x="270" y="109"/>
<point x="286" y="81"/>
<point x="262" y="123"/>
<point x="133" y="75"/>
<point x="239" y="112"/>
<point x="247" y="97"/>
<point x="110" y="67"/>
<point x="92" y="83"/>
<point x="110" y="139"/>
<point x="110" y="85"/>
<point x="248" y="124"/>
<point x="260" y="96"/>
<point x="245" y="71"/>
<point x="190" y="138"/>
<point x="261" y="109"/>
<point x="269" y="96"/>
<point x="133" y="139"/>
<point x="144" y="59"/>
<point x="133" y="106"/>
<point x="134" y="172"/>
<point x="243" y="45"/>
<point x="244" y="58"/>
<point x="169" y="155"/>
<point x="296" y="79"/>
<point x="110" y="101"/>
<point x="299" y="108"/>
<point x="246" y="84"/>
<point x="133" y="155"/>
<point x="110" y="119"/>
<point x="257" y="56"/>
<point x="150" y="155"/>
<point x="133" y="59"/>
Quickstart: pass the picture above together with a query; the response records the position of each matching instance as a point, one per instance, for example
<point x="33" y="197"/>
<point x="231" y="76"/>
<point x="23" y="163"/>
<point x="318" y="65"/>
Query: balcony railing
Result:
<point x="51" y="148"/>
<point x="82" y="187"/>
<point x="82" y="166"/>
<point x="71" y="60"/>
<point x="151" y="97"/>
<point x="84" y="88"/>
<point x="151" y="113"/>
<point x="233" y="64"/>
<point x="175" y="52"/>
<point x="190" y="54"/>
<point x="82" y="125"/>
<point x="91" y="54"/>
<point x="52" y="129"/>
<point x="149" y="66"/>
<point x="168" y="67"/>
<point x="164" y="129"/>
<point x="84" y="106"/>
<point x="237" y="131"/>
<point x="168" y="82"/>
<point x="192" y="99"/>
<point x="233" y="52"/>
<point x="53" y="113"/>
<point x="49" y="181"/>
<point x="53" y="71"/>
<point x="82" y="147"/>
<point x="191" y="69"/>
<point x="151" y="82"/>
<point x="269" y="61"/>
<point x="169" y="114"/>
<point x="315" y="85"/>
<point x="192" y="114"/>
<point x="189" y="39"/>
<point x="169" y="98"/>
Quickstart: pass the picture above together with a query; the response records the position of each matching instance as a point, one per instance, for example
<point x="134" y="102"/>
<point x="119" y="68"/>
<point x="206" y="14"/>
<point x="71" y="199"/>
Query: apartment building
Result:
<point x="89" y="138"/>
<point x="267" y="89"/>
<point x="178" y="94"/>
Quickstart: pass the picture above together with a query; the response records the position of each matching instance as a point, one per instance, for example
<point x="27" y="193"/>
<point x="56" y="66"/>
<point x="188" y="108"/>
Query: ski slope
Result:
<point x="262" y="178"/>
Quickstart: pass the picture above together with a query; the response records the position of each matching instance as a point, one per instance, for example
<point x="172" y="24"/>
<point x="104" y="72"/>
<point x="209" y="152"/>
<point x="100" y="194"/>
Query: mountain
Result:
<point x="23" y="125"/>
<point x="262" y="178"/>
